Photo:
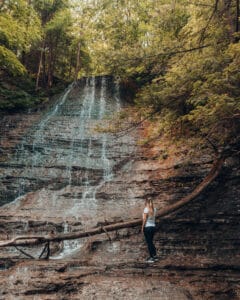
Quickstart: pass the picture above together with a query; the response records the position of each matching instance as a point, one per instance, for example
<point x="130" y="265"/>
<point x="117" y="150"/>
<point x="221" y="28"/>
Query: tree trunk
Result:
<point x="70" y="64"/>
<point x="33" y="240"/>
<point x="237" y="16"/>
<point x="78" y="62"/>
<point x="40" y="67"/>
<point x="50" y="67"/>
<point x="52" y="60"/>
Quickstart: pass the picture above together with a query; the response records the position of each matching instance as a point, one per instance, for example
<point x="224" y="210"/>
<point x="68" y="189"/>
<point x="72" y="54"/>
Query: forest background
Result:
<point x="178" y="60"/>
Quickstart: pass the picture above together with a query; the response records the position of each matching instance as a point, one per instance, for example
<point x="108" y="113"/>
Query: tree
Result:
<point x="55" y="21"/>
<point x="19" y="29"/>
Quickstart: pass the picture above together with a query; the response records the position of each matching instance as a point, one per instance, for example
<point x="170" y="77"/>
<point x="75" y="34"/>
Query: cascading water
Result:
<point x="90" y="191"/>
<point x="107" y="173"/>
<point x="29" y="152"/>
<point x="64" y="169"/>
<point x="117" y="95"/>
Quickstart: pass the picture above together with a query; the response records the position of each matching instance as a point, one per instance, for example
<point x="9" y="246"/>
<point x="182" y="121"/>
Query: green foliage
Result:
<point x="13" y="98"/>
<point x="10" y="63"/>
<point x="217" y="95"/>
<point x="198" y="90"/>
<point x="19" y="26"/>
<point x="127" y="36"/>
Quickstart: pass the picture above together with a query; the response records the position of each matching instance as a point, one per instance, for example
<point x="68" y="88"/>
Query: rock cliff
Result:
<point x="198" y="245"/>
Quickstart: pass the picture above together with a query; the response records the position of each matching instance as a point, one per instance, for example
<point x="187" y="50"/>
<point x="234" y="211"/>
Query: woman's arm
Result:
<point x="144" y="220"/>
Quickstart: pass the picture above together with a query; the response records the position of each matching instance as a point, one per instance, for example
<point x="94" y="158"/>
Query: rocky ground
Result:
<point x="198" y="246"/>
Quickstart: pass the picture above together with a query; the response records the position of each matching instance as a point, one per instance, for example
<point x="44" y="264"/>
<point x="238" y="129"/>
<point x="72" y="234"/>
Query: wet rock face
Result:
<point x="65" y="162"/>
<point x="68" y="176"/>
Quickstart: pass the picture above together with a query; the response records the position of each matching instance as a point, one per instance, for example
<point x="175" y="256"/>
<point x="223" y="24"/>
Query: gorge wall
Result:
<point x="61" y="172"/>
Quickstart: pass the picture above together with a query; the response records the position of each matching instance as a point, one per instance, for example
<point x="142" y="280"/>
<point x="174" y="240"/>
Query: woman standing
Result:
<point x="148" y="228"/>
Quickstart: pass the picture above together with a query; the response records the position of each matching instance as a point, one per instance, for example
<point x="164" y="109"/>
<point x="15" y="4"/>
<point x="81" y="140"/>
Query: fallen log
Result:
<point x="34" y="240"/>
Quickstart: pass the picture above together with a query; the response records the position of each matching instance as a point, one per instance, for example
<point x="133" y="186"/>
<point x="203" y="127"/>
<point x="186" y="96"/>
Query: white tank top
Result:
<point x="150" y="219"/>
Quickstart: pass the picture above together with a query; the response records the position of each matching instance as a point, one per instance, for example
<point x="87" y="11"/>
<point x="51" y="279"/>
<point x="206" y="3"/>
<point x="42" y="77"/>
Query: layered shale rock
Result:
<point x="60" y="172"/>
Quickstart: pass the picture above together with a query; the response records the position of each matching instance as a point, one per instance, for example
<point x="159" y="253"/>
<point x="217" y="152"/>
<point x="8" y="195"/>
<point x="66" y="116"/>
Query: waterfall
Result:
<point x="117" y="95"/>
<point x="107" y="170"/>
<point x="102" y="102"/>
<point x="90" y="192"/>
<point x="79" y="128"/>
<point x="87" y="114"/>
<point x="64" y="168"/>
<point x="37" y="144"/>
<point x="64" y="149"/>
<point x="65" y="165"/>
<point x="39" y="133"/>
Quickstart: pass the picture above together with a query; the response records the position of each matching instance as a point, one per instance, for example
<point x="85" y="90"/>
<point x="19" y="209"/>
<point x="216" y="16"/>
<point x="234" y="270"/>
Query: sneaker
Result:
<point x="156" y="258"/>
<point x="150" y="260"/>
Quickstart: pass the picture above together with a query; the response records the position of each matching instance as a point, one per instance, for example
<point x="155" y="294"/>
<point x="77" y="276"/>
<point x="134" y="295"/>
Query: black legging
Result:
<point x="149" y="233"/>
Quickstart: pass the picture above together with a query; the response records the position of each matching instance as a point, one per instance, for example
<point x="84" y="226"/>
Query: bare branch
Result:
<point x="44" y="249"/>
<point x="167" y="53"/>
<point x="198" y="4"/>
<point x="202" y="36"/>
<point x="215" y="148"/>
<point x="25" y="253"/>
<point x="125" y="131"/>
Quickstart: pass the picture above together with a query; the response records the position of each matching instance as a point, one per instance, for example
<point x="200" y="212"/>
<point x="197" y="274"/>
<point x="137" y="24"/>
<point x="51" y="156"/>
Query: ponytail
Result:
<point x="149" y="205"/>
